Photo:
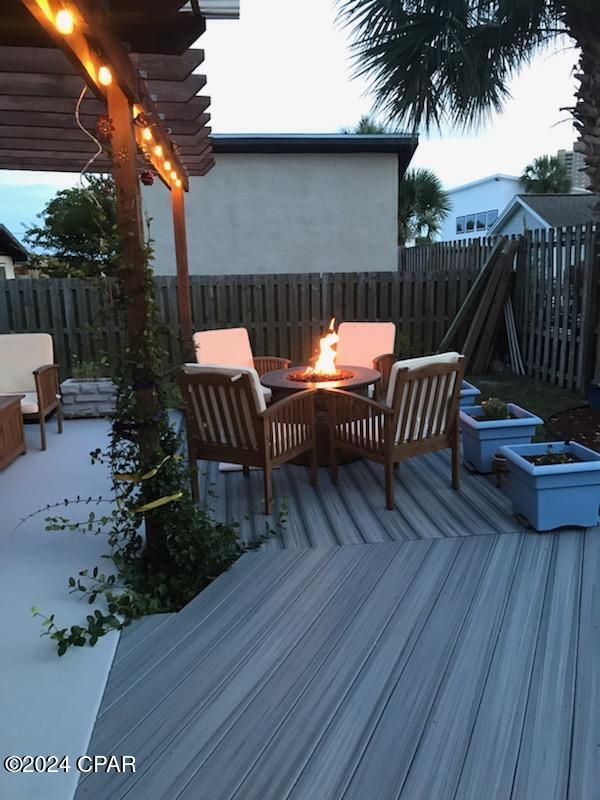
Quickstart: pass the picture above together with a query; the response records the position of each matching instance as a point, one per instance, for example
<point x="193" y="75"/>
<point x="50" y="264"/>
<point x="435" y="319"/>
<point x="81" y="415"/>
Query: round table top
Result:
<point x="361" y="377"/>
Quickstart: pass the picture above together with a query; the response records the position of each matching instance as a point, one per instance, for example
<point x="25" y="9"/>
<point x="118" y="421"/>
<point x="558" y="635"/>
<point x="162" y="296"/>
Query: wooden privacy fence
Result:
<point x="555" y="296"/>
<point x="285" y="314"/>
<point x="556" y="302"/>
<point x="458" y="255"/>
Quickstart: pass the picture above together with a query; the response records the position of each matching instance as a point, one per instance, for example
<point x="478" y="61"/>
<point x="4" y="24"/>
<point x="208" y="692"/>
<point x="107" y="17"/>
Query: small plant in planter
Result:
<point x="493" y="408"/>
<point x="90" y="371"/>
<point x="489" y="426"/>
<point x="556" y="484"/>
<point x="90" y="392"/>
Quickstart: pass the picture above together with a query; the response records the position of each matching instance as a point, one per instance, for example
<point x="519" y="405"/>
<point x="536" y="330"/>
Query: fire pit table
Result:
<point x="352" y="379"/>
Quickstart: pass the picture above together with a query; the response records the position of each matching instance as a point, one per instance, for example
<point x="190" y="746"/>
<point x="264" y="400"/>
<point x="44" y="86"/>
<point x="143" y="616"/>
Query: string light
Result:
<point x="158" y="151"/>
<point x="178" y="183"/>
<point x="64" y="22"/>
<point x="147" y="134"/>
<point x="105" y="76"/>
<point x="168" y="166"/>
<point x="136" y="110"/>
<point x="173" y="176"/>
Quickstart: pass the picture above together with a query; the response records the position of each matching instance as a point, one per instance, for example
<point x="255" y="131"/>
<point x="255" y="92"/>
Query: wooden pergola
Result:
<point x="134" y="60"/>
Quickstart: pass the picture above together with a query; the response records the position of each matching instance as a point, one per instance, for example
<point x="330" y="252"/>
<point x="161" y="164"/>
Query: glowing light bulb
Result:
<point x="178" y="183"/>
<point x="147" y="134"/>
<point x="158" y="151"/>
<point x="64" y="22"/>
<point x="173" y="176"/>
<point x="168" y="166"/>
<point x="136" y="110"/>
<point x="105" y="76"/>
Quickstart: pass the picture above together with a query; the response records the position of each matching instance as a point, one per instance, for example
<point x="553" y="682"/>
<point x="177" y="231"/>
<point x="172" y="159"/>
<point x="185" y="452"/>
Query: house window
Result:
<point x="460" y="224"/>
<point x="470" y="223"/>
<point x="480" y="221"/>
<point x="492" y="216"/>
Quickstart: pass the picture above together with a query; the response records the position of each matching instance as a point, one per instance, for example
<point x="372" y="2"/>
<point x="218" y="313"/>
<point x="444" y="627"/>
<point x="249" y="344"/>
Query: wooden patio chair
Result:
<point x="27" y="367"/>
<point x="228" y="420"/>
<point x="231" y="346"/>
<point x="420" y="415"/>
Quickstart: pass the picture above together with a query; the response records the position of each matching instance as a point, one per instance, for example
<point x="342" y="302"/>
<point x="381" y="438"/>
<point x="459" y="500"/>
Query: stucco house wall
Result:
<point x="482" y="201"/>
<point x="284" y="212"/>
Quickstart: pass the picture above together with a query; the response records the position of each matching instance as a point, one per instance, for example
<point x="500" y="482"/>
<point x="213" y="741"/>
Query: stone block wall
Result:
<point x="88" y="398"/>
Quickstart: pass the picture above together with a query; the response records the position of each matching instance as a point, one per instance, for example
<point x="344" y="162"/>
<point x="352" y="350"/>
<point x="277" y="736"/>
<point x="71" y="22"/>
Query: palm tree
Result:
<point x="546" y="175"/>
<point x="452" y="60"/>
<point x="422" y="206"/>
<point x="422" y="202"/>
<point x="367" y="126"/>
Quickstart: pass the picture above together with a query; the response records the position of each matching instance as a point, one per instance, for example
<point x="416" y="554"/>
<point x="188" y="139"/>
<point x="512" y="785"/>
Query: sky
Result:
<point x="285" y="67"/>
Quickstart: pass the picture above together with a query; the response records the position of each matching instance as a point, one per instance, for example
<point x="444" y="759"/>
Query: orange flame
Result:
<point x="325" y="363"/>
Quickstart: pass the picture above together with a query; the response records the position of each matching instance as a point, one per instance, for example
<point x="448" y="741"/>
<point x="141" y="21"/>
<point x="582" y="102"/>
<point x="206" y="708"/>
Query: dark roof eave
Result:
<point x="403" y="143"/>
<point x="11" y="246"/>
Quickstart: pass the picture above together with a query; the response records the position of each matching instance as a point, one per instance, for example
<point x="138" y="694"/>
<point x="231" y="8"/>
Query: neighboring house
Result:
<point x="12" y="253"/>
<point x="476" y="206"/>
<point x="534" y="211"/>
<point x="574" y="163"/>
<point x="289" y="203"/>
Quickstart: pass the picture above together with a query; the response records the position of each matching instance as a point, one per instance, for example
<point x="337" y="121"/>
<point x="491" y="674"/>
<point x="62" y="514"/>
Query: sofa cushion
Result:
<point x="20" y="355"/>
<point x="29" y="403"/>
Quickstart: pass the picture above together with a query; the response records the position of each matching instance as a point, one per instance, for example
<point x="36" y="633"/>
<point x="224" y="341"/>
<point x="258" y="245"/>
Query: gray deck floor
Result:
<point x="354" y="512"/>
<point x="446" y="655"/>
<point x="455" y="668"/>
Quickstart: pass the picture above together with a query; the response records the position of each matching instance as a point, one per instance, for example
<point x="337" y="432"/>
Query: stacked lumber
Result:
<point x="474" y="330"/>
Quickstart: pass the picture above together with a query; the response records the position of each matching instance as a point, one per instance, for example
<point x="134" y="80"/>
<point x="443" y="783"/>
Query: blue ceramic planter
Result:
<point x="481" y="439"/>
<point x="558" y="494"/>
<point x="469" y="394"/>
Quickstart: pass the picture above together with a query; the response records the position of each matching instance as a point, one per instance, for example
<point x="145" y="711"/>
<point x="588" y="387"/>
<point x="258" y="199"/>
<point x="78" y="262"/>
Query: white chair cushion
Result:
<point x="224" y="346"/>
<point x="220" y="369"/>
<point x="29" y="403"/>
<point x="414" y="364"/>
<point x="417" y="415"/>
<point x="20" y="355"/>
<point x="361" y="342"/>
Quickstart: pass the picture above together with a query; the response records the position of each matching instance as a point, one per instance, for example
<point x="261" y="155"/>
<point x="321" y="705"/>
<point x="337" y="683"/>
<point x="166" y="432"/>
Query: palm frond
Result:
<point x="431" y="62"/>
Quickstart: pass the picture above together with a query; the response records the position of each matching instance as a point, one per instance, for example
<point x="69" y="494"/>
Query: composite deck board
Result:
<point x="456" y="667"/>
<point x="426" y="507"/>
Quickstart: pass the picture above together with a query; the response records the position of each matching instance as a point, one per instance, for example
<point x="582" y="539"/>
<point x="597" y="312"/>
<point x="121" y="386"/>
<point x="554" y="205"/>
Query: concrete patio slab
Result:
<point x="48" y="705"/>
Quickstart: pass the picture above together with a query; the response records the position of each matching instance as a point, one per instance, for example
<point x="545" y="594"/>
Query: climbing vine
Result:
<point x="194" y="548"/>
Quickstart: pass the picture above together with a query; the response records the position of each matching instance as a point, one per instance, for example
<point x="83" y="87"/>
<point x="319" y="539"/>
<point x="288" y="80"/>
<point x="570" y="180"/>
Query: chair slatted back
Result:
<point x="222" y="412"/>
<point x="426" y="401"/>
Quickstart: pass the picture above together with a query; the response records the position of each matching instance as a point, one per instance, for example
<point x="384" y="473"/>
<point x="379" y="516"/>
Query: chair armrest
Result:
<point x="340" y="396"/>
<point x="290" y="422"/>
<point x="46" y="384"/>
<point x="359" y="421"/>
<point x="264" y="364"/>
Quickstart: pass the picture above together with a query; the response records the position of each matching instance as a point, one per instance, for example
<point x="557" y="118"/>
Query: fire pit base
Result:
<point x="282" y="383"/>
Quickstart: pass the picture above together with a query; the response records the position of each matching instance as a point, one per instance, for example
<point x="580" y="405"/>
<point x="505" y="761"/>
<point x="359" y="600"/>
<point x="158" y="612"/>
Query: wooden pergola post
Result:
<point x="133" y="279"/>
<point x="183" y="273"/>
